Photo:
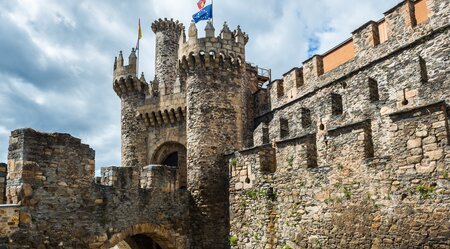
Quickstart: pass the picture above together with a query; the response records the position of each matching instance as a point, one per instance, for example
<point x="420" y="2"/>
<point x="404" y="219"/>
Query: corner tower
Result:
<point x="214" y="68"/>
<point x="167" y="34"/>
<point x="131" y="91"/>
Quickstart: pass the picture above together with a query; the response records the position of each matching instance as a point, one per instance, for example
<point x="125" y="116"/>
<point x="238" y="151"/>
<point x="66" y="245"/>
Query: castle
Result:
<point x="351" y="150"/>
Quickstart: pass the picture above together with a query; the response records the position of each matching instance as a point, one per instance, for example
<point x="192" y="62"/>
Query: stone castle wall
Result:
<point x="346" y="151"/>
<point x="58" y="205"/>
<point x="360" y="154"/>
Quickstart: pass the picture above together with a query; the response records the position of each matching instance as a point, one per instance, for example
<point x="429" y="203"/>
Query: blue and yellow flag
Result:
<point x="204" y="14"/>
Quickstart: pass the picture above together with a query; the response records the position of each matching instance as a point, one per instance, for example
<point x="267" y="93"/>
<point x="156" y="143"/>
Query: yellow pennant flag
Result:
<point x="139" y="34"/>
<point x="139" y="30"/>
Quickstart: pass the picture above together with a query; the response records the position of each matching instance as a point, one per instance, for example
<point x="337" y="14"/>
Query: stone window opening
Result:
<point x="373" y="90"/>
<point x="321" y="126"/>
<point x="299" y="82"/>
<point x="423" y="70"/>
<point x="305" y="115"/>
<point x="280" y="89"/>
<point x="284" y="128"/>
<point x="404" y="101"/>
<point x="336" y="104"/>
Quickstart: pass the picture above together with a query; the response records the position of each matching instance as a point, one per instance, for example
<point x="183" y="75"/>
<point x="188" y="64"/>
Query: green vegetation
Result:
<point x="286" y="246"/>
<point x="424" y="191"/>
<point x="255" y="193"/>
<point x="290" y="161"/>
<point x="233" y="162"/>
<point x="340" y="166"/>
<point x="233" y="240"/>
<point x="252" y="194"/>
<point x="347" y="192"/>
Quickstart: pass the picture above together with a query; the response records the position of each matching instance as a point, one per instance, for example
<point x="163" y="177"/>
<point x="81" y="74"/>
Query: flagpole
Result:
<point x="138" y="59"/>
<point x="138" y="47"/>
<point x="212" y="10"/>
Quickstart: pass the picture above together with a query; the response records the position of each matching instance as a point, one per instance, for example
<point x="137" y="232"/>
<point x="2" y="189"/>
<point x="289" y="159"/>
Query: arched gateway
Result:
<point x="145" y="236"/>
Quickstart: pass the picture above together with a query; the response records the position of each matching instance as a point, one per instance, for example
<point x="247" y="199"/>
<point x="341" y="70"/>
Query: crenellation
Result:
<point x="312" y="69"/>
<point x="119" y="177"/>
<point x="121" y="70"/>
<point x="160" y="178"/>
<point x="225" y="51"/>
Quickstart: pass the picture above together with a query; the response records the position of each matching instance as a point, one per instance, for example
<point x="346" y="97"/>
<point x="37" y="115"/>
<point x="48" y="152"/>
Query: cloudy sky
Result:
<point x="56" y="57"/>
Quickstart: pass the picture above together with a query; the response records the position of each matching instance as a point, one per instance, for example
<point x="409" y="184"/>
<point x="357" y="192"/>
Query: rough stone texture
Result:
<point x="355" y="157"/>
<point x="374" y="176"/>
<point x="3" y="167"/>
<point x="215" y="125"/>
<point x="131" y="91"/>
<point x="9" y="220"/>
<point x="167" y="34"/>
<point x="51" y="177"/>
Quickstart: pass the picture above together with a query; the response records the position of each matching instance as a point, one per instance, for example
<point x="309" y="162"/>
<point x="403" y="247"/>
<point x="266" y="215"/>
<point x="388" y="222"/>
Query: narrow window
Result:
<point x="280" y="88"/>
<point x="375" y="35"/>
<point x="284" y="128"/>
<point x="299" y="77"/>
<point x="423" y="70"/>
<point x="265" y="134"/>
<point x="336" y="104"/>
<point x="305" y="115"/>
<point x="373" y="90"/>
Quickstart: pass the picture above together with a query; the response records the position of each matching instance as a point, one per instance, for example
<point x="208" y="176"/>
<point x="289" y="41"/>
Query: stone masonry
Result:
<point x="351" y="149"/>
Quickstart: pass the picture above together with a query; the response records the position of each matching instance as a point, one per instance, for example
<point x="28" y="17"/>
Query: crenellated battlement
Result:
<point x="401" y="25"/>
<point x="164" y="110"/>
<point x="224" y="51"/>
<point x="129" y="83"/>
<point x="165" y="24"/>
<point x="121" y="70"/>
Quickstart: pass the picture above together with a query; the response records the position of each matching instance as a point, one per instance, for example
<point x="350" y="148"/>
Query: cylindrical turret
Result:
<point x="167" y="34"/>
<point x="215" y="122"/>
<point x="131" y="91"/>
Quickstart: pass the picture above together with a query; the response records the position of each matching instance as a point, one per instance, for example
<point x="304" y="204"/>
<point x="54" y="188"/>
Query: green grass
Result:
<point x="233" y="240"/>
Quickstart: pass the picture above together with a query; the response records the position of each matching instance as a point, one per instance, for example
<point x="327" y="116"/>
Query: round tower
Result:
<point x="214" y="68"/>
<point x="131" y="91"/>
<point x="167" y="34"/>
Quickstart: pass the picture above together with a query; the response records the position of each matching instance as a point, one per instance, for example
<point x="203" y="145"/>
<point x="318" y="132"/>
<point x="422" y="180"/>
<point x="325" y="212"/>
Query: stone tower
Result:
<point x="167" y="34"/>
<point x="214" y="68"/>
<point x="131" y="91"/>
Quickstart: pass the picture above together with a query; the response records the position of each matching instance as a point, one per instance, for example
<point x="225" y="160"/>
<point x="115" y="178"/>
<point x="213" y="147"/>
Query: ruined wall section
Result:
<point x="361" y="151"/>
<point x="59" y="205"/>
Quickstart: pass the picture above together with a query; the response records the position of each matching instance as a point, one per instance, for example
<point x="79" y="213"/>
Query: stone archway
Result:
<point x="146" y="236"/>
<point x="172" y="154"/>
<point x="140" y="241"/>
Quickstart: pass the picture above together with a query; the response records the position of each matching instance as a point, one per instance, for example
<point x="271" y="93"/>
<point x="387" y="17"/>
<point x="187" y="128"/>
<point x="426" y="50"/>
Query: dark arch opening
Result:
<point x="173" y="154"/>
<point x="139" y="241"/>
<point x="171" y="160"/>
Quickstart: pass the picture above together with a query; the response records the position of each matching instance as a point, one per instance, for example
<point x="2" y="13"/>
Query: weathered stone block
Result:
<point x="434" y="155"/>
<point x="414" y="143"/>
<point x="414" y="159"/>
